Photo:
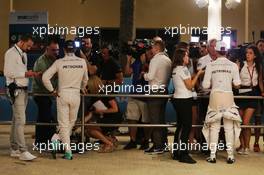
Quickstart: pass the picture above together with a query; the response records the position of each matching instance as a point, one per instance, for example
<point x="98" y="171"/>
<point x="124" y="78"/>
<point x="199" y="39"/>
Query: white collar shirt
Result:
<point x="249" y="77"/>
<point x="15" y="66"/>
<point x="159" y="71"/>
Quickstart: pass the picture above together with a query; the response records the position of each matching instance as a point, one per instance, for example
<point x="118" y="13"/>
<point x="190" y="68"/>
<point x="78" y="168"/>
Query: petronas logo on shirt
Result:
<point x="72" y="66"/>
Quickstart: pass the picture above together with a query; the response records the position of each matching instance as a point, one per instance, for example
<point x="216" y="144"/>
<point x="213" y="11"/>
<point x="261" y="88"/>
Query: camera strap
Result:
<point x="21" y="55"/>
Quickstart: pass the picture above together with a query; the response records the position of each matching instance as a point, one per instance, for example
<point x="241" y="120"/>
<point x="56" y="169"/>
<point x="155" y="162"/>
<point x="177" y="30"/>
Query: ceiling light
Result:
<point x="202" y="3"/>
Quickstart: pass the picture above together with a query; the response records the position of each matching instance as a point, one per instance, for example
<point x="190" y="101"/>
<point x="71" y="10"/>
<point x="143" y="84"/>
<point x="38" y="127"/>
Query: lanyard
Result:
<point x="251" y="75"/>
<point x="21" y="55"/>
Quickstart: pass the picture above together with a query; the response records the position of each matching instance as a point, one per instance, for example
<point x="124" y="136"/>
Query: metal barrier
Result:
<point x="82" y="124"/>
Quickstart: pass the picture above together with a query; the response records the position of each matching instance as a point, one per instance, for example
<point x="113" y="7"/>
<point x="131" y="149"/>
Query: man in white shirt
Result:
<point x="220" y="75"/>
<point x="73" y="77"/>
<point x="158" y="78"/>
<point x="211" y="56"/>
<point x="201" y="64"/>
<point x="16" y="73"/>
<point x="159" y="68"/>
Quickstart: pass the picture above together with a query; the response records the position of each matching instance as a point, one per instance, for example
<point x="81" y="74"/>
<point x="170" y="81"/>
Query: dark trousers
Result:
<point x="44" y="133"/>
<point x="183" y="108"/>
<point x="203" y="106"/>
<point x="156" y="109"/>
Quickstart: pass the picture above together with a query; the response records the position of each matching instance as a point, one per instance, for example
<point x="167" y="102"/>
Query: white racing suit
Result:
<point x="222" y="106"/>
<point x="67" y="105"/>
<point x="73" y="76"/>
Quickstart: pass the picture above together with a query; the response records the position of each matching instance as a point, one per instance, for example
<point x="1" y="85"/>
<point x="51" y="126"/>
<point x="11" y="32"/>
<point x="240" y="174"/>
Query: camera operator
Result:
<point x="89" y="55"/>
<point x="15" y="70"/>
<point x="110" y="71"/>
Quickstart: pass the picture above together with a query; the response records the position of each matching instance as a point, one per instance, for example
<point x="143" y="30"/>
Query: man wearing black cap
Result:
<point x="73" y="77"/>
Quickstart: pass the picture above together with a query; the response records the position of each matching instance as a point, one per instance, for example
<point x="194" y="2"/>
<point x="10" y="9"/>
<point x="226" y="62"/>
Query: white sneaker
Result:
<point x="26" y="156"/>
<point x="241" y="151"/>
<point x="15" y="153"/>
<point x="246" y="152"/>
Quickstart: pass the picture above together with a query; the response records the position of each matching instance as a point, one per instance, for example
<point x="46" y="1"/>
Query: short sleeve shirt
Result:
<point x="179" y="74"/>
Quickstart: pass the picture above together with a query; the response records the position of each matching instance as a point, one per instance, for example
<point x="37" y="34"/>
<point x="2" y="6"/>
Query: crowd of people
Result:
<point x="85" y="71"/>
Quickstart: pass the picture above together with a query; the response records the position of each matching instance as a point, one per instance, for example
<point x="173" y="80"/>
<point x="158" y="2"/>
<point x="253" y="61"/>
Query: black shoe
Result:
<point x="154" y="151"/>
<point x="186" y="158"/>
<point x="54" y="154"/>
<point x="131" y="145"/>
<point x="144" y="145"/>
<point x="175" y="156"/>
<point x="230" y="161"/>
<point x="149" y="148"/>
<point x="211" y="160"/>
